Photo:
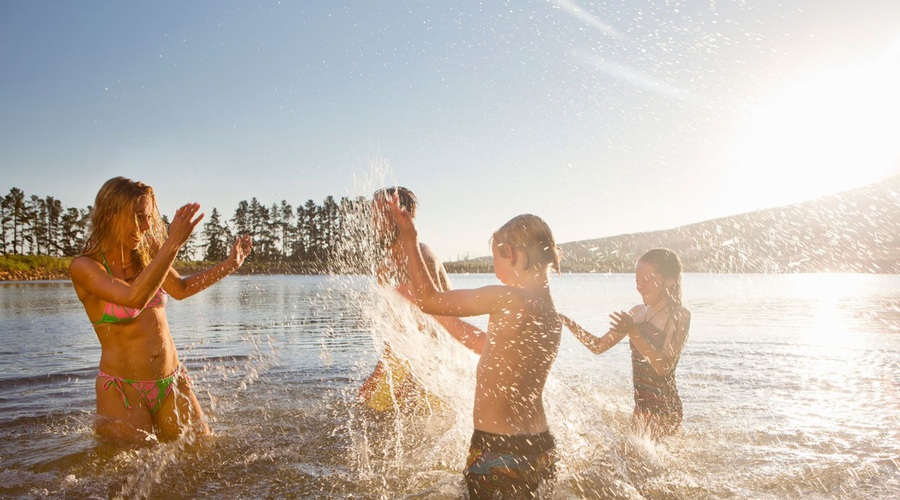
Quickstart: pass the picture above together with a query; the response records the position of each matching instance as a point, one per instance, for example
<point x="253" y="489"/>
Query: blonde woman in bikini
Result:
<point x="123" y="278"/>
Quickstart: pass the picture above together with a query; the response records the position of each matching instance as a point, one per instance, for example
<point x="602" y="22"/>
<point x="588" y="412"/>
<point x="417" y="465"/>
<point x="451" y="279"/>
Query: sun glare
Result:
<point x="831" y="323"/>
<point x="833" y="131"/>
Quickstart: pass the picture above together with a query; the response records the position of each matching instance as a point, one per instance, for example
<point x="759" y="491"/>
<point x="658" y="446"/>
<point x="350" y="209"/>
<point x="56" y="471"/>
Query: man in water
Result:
<point x="391" y="387"/>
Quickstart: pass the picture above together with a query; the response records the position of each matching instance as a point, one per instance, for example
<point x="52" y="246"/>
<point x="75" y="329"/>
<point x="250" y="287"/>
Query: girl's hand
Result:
<point x="402" y="219"/>
<point x="240" y="249"/>
<point x="622" y="322"/>
<point x="183" y="223"/>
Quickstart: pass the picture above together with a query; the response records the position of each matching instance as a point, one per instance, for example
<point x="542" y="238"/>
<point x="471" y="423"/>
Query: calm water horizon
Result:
<point x="791" y="388"/>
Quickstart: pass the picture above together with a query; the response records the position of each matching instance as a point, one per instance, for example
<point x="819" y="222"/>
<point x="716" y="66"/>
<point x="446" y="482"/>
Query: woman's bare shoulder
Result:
<point x="84" y="263"/>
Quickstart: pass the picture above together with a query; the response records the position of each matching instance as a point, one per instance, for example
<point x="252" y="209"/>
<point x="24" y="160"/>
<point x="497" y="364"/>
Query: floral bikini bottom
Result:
<point x="153" y="392"/>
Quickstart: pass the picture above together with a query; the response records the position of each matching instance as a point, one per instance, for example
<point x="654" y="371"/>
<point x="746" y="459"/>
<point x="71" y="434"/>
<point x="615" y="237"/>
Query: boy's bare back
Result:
<point x="522" y="343"/>
<point x="523" y="333"/>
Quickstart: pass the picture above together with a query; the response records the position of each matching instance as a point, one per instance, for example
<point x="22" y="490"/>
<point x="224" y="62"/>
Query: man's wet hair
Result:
<point x="406" y="197"/>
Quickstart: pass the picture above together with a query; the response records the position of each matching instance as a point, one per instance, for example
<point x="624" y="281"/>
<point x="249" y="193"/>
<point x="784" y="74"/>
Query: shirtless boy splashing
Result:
<point x="512" y="450"/>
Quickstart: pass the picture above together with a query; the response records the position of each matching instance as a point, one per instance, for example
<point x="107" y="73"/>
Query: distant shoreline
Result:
<point x="33" y="267"/>
<point x="44" y="268"/>
<point x="54" y="274"/>
<point x="856" y="231"/>
<point x="36" y="275"/>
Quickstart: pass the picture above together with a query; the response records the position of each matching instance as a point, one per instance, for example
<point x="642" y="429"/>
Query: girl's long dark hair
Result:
<point x="668" y="265"/>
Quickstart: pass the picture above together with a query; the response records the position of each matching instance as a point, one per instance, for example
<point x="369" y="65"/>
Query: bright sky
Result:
<point x="603" y="118"/>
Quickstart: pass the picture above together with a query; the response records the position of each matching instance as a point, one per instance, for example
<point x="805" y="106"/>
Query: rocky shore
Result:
<point x="32" y="275"/>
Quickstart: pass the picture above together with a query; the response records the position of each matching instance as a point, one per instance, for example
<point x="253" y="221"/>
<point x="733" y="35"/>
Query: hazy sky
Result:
<point x="602" y="117"/>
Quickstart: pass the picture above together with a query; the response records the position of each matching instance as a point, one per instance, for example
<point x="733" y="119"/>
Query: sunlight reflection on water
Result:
<point x="789" y="384"/>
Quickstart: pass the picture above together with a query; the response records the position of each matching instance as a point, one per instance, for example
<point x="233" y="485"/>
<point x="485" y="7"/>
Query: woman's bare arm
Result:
<point x="183" y="287"/>
<point x="90" y="276"/>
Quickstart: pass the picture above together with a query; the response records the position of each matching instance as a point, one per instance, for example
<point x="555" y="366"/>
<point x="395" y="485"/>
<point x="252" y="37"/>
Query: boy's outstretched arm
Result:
<point x="597" y="345"/>
<point x="428" y="298"/>
<point x="467" y="334"/>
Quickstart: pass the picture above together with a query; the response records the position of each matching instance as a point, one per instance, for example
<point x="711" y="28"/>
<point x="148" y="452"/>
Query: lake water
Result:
<point x="791" y="389"/>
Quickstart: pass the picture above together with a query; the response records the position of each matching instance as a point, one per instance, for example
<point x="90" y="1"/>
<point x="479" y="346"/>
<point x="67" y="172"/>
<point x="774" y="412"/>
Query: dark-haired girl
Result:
<point x="657" y="330"/>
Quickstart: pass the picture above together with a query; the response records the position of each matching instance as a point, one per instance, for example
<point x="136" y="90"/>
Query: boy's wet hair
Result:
<point x="406" y="197"/>
<point x="530" y="234"/>
<point x="668" y="265"/>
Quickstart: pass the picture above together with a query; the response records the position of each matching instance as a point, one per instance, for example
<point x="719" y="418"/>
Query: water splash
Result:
<point x="423" y="452"/>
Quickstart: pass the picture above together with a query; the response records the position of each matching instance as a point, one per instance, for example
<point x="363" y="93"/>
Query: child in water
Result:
<point x="512" y="451"/>
<point x="657" y="330"/>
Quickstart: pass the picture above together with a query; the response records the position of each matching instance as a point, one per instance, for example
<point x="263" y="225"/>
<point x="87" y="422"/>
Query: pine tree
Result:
<point x="54" y="215"/>
<point x="5" y="219"/>
<point x="215" y="237"/>
<point x="241" y="219"/>
<point x="287" y="228"/>
<point x="72" y="227"/>
<point x="18" y="216"/>
<point x="37" y="214"/>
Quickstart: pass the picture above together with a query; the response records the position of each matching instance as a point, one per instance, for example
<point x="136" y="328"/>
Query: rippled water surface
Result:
<point x="791" y="388"/>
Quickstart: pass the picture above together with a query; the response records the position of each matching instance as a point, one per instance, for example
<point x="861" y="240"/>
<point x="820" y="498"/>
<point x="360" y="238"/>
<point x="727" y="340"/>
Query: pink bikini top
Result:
<point x="114" y="313"/>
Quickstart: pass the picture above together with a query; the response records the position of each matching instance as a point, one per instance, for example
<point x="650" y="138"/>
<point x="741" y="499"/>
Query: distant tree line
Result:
<point x="32" y="225"/>
<point x="310" y="238"/>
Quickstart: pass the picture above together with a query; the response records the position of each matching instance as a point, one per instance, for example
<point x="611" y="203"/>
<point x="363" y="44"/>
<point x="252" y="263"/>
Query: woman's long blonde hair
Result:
<point x="116" y="202"/>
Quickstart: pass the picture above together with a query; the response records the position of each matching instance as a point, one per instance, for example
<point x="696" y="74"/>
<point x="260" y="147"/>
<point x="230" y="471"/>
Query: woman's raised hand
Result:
<point x="184" y="222"/>
<point x="240" y="249"/>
